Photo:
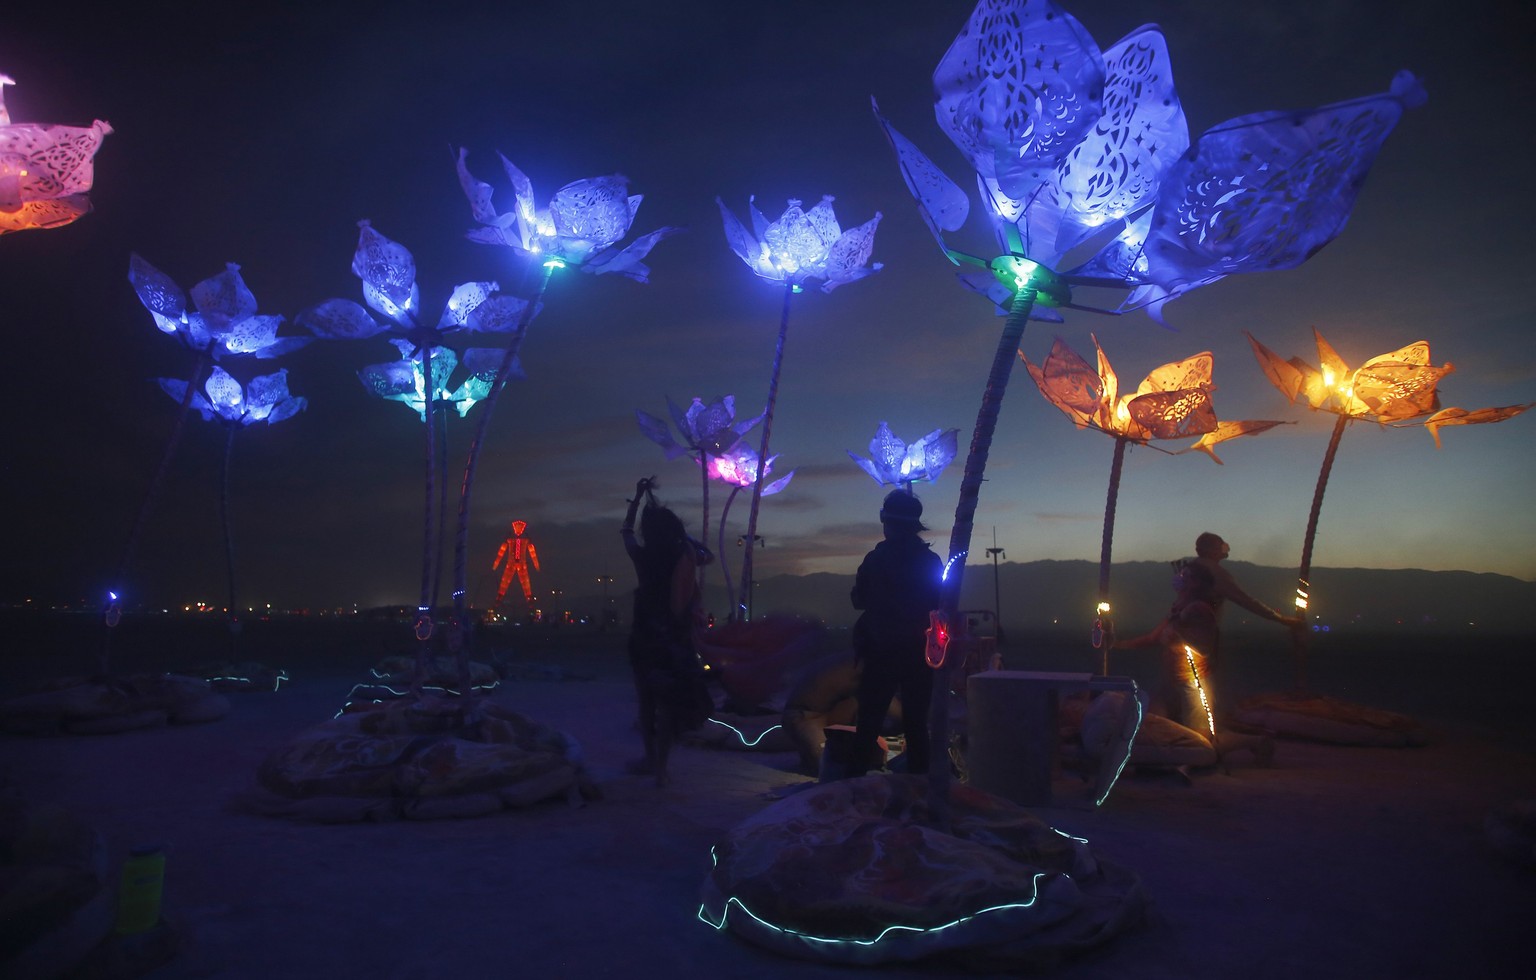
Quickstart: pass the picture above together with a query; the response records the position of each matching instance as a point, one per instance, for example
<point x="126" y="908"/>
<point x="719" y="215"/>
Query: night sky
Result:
<point x="262" y="135"/>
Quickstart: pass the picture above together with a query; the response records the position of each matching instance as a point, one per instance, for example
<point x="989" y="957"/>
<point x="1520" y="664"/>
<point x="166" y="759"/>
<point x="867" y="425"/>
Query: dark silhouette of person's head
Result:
<point x="660" y="528"/>
<point x="902" y="513"/>
<point x="1210" y="545"/>
<point x="662" y="541"/>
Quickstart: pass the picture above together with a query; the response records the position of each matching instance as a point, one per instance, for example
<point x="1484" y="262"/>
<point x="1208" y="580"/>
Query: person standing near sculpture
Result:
<point x="1186" y="638"/>
<point x="897" y="585"/>
<point x="670" y="683"/>
<point x="1210" y="551"/>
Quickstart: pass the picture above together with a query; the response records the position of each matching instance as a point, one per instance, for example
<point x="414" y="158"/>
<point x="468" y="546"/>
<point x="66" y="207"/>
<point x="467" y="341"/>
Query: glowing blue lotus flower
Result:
<point x="388" y="273"/>
<point x="222" y="321"/>
<point x="265" y="399"/>
<point x="582" y="224"/>
<point x="802" y="244"/>
<point x="710" y="429"/>
<point x="893" y="462"/>
<point x="1068" y="143"/>
<point x="404" y="380"/>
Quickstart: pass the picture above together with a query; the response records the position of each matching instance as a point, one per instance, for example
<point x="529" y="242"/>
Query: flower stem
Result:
<point x="457" y="640"/>
<point x="762" y="458"/>
<point x="1109" y="531"/>
<point x="147" y="505"/>
<point x="1304" y="574"/>
<point x="960" y="538"/>
<point x="229" y="539"/>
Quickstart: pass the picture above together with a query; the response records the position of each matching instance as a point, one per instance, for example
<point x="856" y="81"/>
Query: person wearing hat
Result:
<point x="897" y="584"/>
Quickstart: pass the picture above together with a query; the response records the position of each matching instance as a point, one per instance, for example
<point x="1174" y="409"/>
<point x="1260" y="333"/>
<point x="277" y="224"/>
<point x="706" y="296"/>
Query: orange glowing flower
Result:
<point x="1173" y="402"/>
<point x="1396" y="388"/>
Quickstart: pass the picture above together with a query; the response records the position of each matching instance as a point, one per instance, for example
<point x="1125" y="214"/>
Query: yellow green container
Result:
<point x="139" y="890"/>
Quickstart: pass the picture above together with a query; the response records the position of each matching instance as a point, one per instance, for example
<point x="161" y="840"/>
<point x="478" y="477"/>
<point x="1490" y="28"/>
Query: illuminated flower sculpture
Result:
<point x="45" y="170"/>
<point x="1398" y="388"/>
<point x="265" y="399"/>
<point x="1069" y="143"/>
<point x="892" y="462"/>
<point x="707" y="431"/>
<point x="583" y="223"/>
<point x="798" y="247"/>
<point x="1173" y="402"/>
<point x="404" y="380"/>
<point x="582" y="226"/>
<point x="740" y="467"/>
<point x="220" y="322"/>
<point x="388" y="274"/>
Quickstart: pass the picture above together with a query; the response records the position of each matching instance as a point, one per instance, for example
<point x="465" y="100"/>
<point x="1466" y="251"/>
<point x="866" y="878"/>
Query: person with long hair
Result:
<point x="670" y="683"/>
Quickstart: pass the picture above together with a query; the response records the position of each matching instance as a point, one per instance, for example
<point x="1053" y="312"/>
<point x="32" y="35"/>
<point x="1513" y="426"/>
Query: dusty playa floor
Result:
<point x="1337" y="862"/>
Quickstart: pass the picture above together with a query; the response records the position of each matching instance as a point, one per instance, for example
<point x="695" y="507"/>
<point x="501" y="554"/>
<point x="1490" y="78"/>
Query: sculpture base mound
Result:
<point x="1324" y="719"/>
<point x="107" y="705"/>
<point x="426" y="759"/>
<point x="852" y="872"/>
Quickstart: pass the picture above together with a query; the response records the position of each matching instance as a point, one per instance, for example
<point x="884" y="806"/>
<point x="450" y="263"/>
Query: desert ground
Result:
<point x="1334" y="862"/>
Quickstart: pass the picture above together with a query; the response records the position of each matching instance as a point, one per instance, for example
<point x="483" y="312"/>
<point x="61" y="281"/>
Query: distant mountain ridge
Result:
<point x="1043" y="593"/>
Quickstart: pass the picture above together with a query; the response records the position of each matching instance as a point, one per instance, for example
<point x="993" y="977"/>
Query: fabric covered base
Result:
<point x="1326" y="719"/>
<point x="108" y="705"/>
<point x="850" y="872"/>
<point x="435" y="758"/>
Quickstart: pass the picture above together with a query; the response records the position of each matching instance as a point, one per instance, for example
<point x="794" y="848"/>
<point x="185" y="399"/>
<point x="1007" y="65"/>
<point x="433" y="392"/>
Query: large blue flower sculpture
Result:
<point x="388" y="274"/>
<point x="221" y="320"/>
<point x="892" y="462"/>
<point x="1068" y="143"/>
<point x="802" y="245"/>
<point x="264" y="399"/>
<point x="581" y="226"/>
<point x="404" y="380"/>
<point x="709" y="429"/>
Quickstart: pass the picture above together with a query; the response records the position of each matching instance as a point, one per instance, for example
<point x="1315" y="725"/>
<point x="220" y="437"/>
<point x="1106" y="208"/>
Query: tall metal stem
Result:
<point x="130" y="549"/>
<point x="960" y="537"/>
<point x="1109" y="538"/>
<point x="456" y="639"/>
<point x="229" y="539"/>
<point x="725" y="566"/>
<point x="762" y="457"/>
<point x="704" y="523"/>
<point x="1304" y="574"/>
<point x="429" y="529"/>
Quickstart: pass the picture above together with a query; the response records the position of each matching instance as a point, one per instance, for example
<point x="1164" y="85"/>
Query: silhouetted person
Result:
<point x="1185" y="638"/>
<point x="1188" y="639"/>
<point x="896" y="586"/>
<point x="1210" y="550"/>
<point x="669" y="678"/>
